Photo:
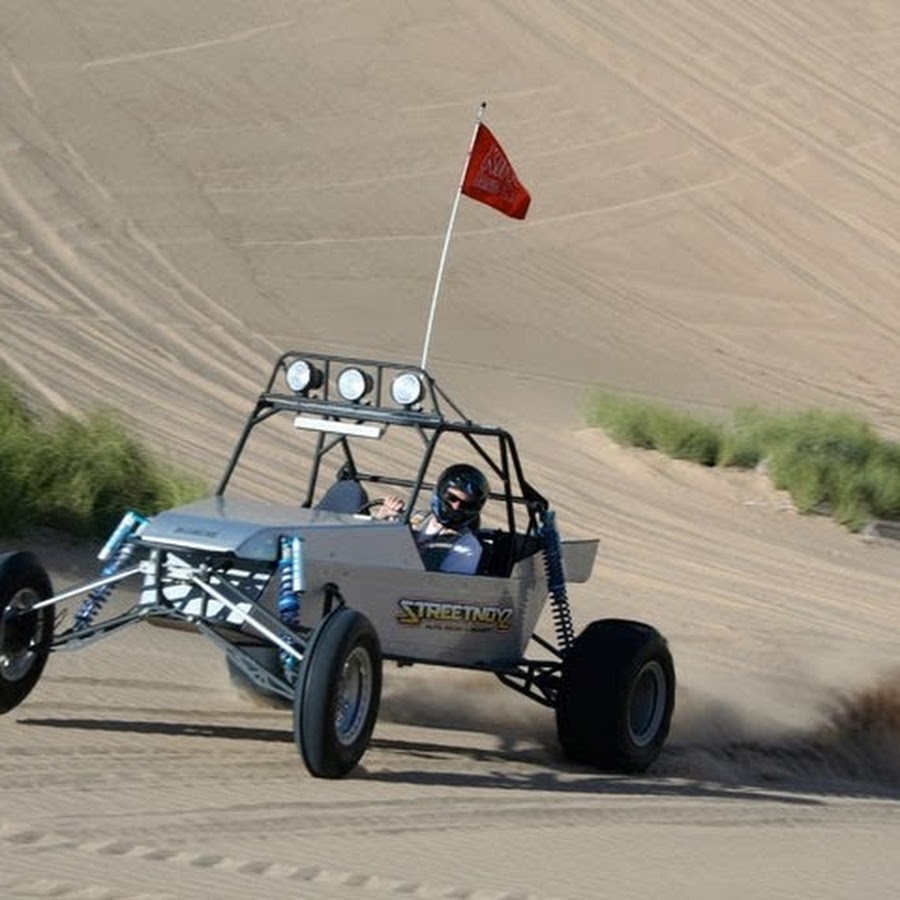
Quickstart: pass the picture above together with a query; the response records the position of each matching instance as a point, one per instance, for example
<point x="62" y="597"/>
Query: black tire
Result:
<point x="616" y="696"/>
<point x="25" y="636"/>
<point x="337" y="694"/>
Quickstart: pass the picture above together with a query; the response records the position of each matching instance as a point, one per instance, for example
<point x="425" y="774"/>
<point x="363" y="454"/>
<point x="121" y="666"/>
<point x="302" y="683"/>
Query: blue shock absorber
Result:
<point x="118" y="549"/>
<point x="290" y="586"/>
<point x="556" y="581"/>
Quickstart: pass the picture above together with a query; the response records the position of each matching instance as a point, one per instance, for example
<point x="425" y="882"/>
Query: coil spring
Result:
<point x="93" y="603"/>
<point x="288" y="604"/>
<point x="556" y="581"/>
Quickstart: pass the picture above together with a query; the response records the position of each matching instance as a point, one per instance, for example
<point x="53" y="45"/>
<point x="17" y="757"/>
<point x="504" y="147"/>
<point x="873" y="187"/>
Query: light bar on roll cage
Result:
<point x="407" y="389"/>
<point x="335" y="387"/>
<point x="302" y="377"/>
<point x="353" y="384"/>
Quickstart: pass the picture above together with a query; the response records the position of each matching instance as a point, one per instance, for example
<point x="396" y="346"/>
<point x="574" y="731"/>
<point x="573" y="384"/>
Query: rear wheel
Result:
<point x="25" y="634"/>
<point x="337" y="694"/>
<point x="616" y="696"/>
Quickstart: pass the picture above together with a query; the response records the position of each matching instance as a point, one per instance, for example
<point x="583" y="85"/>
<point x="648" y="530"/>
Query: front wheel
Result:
<point x="25" y="634"/>
<point x="337" y="694"/>
<point x="616" y="696"/>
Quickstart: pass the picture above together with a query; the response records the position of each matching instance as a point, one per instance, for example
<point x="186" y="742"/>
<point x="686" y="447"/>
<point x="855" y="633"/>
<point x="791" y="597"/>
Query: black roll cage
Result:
<point x="430" y="417"/>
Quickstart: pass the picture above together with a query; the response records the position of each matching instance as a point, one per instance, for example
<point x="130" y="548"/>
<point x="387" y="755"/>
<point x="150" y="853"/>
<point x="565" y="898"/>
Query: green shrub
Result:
<point x="880" y="482"/>
<point x="821" y="459"/>
<point x="624" y="420"/>
<point x="656" y="427"/>
<point x="827" y="461"/>
<point x="745" y="444"/>
<point x="16" y="440"/>
<point x="78" y="475"/>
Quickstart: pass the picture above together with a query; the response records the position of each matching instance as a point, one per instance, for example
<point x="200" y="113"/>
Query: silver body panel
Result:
<point x="463" y="620"/>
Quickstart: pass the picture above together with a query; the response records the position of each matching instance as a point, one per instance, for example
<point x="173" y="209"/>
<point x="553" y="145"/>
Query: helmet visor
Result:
<point x="463" y="502"/>
<point x="456" y="509"/>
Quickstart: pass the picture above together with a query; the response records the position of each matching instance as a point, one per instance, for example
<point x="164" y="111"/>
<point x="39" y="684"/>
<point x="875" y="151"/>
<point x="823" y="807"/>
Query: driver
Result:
<point x="446" y="535"/>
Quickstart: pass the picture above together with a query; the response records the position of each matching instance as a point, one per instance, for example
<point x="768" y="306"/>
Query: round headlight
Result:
<point x="353" y="384"/>
<point x="407" y="389"/>
<point x="302" y="376"/>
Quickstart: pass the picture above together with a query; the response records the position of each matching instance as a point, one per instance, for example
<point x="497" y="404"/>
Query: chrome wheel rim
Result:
<point x="354" y="696"/>
<point x="647" y="704"/>
<point x="18" y="651"/>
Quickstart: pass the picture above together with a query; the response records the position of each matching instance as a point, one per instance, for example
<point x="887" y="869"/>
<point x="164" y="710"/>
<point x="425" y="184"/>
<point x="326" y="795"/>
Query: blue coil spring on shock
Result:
<point x="290" y="585"/>
<point x="556" y="581"/>
<point x="116" y="551"/>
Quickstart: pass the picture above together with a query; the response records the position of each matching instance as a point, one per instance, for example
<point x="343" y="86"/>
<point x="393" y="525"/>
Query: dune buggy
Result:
<point x="307" y="595"/>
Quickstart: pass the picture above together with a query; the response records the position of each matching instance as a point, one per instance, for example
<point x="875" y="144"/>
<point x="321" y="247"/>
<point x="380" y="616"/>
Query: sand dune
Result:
<point x="188" y="189"/>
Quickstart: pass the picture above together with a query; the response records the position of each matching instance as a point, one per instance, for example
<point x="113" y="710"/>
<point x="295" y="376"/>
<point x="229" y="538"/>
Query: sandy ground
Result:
<point x="186" y="189"/>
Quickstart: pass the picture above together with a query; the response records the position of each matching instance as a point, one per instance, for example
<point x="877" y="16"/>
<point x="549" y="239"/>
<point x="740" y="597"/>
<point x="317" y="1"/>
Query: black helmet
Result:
<point x="470" y="481"/>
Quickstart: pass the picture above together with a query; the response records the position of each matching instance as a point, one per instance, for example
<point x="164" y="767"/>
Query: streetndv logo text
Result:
<point x="453" y="616"/>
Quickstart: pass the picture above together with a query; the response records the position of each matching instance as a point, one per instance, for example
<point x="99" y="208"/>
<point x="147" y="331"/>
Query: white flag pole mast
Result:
<point x="440" y="271"/>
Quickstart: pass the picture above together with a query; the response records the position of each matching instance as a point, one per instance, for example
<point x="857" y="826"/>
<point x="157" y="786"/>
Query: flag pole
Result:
<point x="440" y="271"/>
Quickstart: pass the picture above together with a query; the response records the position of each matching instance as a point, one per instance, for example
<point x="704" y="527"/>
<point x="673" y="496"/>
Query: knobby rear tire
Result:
<point x="616" y="696"/>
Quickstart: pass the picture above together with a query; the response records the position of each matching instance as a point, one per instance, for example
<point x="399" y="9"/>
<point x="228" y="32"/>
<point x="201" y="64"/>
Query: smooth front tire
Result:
<point x="616" y="696"/>
<point x="25" y="634"/>
<point x="337" y="694"/>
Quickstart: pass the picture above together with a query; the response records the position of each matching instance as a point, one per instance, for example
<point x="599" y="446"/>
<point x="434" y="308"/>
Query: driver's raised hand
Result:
<point x="391" y="508"/>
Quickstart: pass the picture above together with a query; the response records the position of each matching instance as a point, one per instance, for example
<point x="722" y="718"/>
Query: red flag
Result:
<point x="490" y="177"/>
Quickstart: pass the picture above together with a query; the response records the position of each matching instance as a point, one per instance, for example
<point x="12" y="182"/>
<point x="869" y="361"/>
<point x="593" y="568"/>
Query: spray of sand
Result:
<point x="851" y="745"/>
<point x="854" y="745"/>
<point x="465" y="701"/>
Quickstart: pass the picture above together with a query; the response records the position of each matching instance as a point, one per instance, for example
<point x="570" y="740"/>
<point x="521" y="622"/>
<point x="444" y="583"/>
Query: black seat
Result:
<point x="345" y="496"/>
<point x="502" y="550"/>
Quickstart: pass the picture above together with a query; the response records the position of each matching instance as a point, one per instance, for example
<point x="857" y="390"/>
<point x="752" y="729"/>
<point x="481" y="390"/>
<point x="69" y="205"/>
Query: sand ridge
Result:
<point x="187" y="190"/>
